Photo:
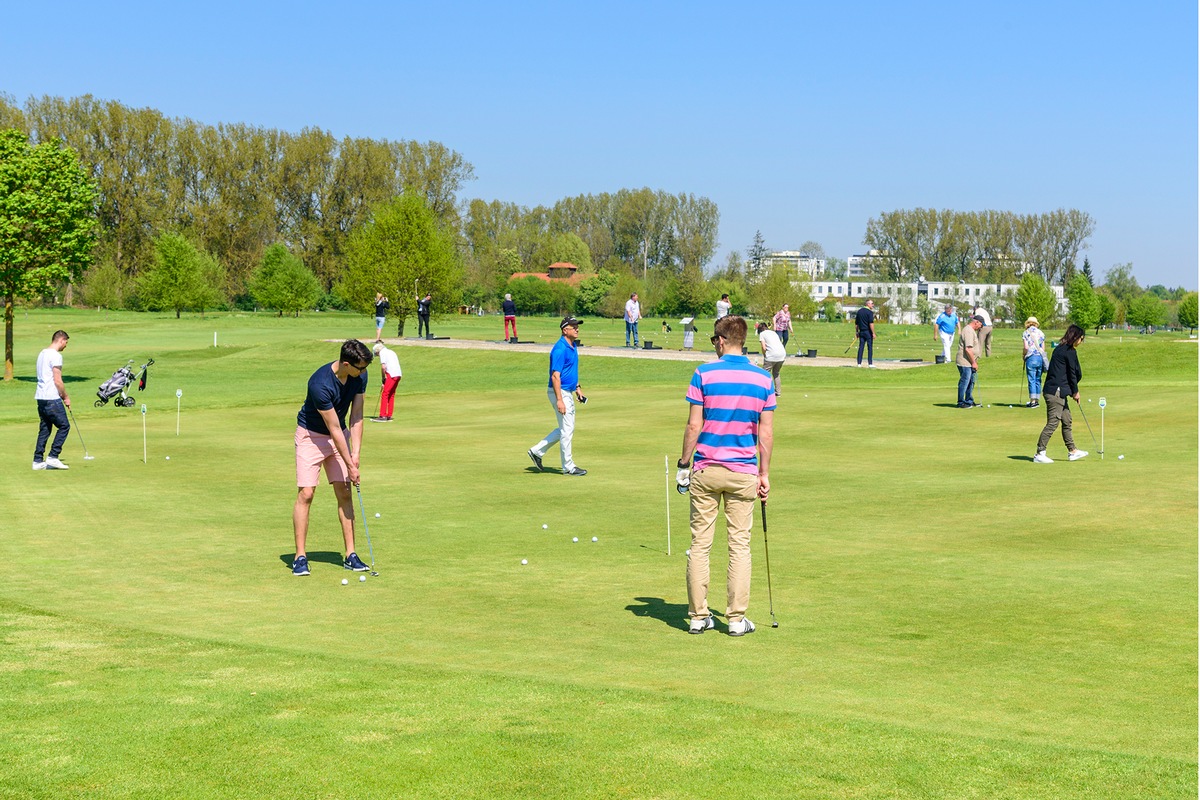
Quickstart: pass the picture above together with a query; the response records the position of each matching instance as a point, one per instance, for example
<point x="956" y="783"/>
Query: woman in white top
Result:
<point x="1033" y="350"/>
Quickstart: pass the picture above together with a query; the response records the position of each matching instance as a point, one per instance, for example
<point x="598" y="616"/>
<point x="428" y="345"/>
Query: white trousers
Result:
<point x="947" y="344"/>
<point x="563" y="433"/>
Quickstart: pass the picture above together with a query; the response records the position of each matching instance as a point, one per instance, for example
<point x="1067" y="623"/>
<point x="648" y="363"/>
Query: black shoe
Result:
<point x="537" y="460"/>
<point x="575" y="471"/>
<point x="964" y="405"/>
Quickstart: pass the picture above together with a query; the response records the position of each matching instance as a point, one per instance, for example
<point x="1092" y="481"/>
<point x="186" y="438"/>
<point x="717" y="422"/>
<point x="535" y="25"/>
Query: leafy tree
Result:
<point x="532" y="295"/>
<point x="694" y="294"/>
<point x="1187" y="311"/>
<point x="739" y="299"/>
<point x="404" y="249"/>
<point x="181" y="278"/>
<point x="592" y="291"/>
<point x="1120" y="281"/>
<point x="564" y="247"/>
<point x="835" y="269"/>
<point x="1084" y="307"/>
<point x="613" y="304"/>
<point x="830" y="309"/>
<point x="47" y="223"/>
<point x="104" y="286"/>
<point x="779" y="287"/>
<point x="1035" y="299"/>
<point x="1107" y="306"/>
<point x="1146" y="310"/>
<point x="927" y="311"/>
<point x="755" y="254"/>
<point x="283" y="283"/>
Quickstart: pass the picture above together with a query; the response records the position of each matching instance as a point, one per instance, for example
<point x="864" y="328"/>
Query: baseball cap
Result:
<point x="979" y="319"/>
<point x="569" y="322"/>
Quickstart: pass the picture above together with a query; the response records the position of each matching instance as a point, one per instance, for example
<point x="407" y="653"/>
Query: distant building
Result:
<point x="558" y="271"/>
<point x="806" y="265"/>
<point x="900" y="300"/>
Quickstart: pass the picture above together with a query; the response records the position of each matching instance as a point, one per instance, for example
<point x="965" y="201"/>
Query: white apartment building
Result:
<point x="803" y="264"/>
<point x="901" y="299"/>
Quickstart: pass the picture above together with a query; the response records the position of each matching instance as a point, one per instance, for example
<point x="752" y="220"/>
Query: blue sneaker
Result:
<point x="300" y="566"/>
<point x="353" y="562"/>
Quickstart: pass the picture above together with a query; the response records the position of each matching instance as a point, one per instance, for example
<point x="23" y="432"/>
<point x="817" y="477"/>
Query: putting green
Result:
<point x="955" y="621"/>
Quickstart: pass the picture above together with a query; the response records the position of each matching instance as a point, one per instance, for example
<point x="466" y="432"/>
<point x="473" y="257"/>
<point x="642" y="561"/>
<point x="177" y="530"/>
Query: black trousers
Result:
<point x="423" y="322"/>
<point x="51" y="413"/>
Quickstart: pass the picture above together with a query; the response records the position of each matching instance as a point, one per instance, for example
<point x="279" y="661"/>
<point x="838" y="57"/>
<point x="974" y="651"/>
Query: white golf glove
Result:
<point x="683" y="479"/>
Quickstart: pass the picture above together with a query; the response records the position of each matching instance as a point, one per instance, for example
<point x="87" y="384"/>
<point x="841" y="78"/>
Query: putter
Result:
<point x="1085" y="422"/>
<point x="366" y="528"/>
<point x="75" y="425"/>
<point x="767" y="552"/>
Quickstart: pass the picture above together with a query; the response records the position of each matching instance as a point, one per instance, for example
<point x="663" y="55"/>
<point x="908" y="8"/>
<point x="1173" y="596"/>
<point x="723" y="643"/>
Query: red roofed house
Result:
<point x="558" y="271"/>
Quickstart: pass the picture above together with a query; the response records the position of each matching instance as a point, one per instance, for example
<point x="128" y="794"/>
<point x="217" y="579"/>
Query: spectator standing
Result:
<point x="510" y="317"/>
<point x="633" y="313"/>
<point x="864" y="329"/>
<point x="774" y="354"/>
<point x="1033" y="350"/>
<point x="783" y="324"/>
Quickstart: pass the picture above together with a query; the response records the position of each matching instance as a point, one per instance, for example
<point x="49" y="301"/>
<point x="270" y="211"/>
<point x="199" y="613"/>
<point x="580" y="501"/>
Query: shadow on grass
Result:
<point x="66" y="379"/>
<point x="321" y="556"/>
<point x="1021" y="458"/>
<point x="673" y="614"/>
<point x="945" y="405"/>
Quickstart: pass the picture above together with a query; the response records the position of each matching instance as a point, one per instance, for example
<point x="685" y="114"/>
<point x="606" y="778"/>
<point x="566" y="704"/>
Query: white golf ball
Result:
<point x="1119" y="458"/>
<point x="362" y="578"/>
<point x="594" y="539"/>
<point x="806" y="395"/>
<point x="168" y="458"/>
<point x="574" y="538"/>
<point x="345" y="582"/>
<point x="376" y="515"/>
<point x="989" y="405"/>
<point x="545" y="527"/>
<point x="524" y="561"/>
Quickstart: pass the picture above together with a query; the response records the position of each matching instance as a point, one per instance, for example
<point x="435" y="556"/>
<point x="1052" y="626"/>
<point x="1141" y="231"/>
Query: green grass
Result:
<point x="955" y="621"/>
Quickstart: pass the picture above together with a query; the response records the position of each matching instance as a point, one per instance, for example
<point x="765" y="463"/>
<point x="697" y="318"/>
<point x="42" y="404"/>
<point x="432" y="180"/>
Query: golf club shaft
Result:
<point x="366" y="526"/>
<point x="1085" y="422"/>
<point x="767" y="553"/>
<point x="75" y="425"/>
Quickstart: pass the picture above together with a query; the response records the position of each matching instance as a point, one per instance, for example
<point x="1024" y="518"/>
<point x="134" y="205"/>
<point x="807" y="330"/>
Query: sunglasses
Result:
<point x="714" y="338"/>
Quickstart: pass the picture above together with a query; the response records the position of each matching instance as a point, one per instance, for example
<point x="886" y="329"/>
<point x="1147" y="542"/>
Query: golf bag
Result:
<point x="120" y="381"/>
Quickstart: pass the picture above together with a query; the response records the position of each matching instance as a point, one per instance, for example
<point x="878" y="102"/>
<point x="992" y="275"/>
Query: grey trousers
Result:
<point x="1057" y="411"/>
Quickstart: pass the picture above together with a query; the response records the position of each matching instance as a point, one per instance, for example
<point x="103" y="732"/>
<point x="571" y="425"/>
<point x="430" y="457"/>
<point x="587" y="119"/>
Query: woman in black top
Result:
<point x="1062" y="384"/>
<point x="381" y="307"/>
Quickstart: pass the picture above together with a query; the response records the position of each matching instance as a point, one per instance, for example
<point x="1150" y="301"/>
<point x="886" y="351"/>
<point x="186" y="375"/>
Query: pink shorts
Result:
<point x="314" y="450"/>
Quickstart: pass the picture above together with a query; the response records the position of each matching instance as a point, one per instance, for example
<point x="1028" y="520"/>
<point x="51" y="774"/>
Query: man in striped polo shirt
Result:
<point x="730" y="433"/>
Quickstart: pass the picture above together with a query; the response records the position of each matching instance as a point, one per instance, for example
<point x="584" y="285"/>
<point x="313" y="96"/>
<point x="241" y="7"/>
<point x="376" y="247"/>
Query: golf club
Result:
<point x="1085" y="422"/>
<point x="75" y="425"/>
<point x="366" y="528"/>
<point x="767" y="552"/>
<point x="852" y="341"/>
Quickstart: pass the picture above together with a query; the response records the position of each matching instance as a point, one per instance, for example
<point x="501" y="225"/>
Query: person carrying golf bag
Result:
<point x="1062" y="384"/>
<point x="730" y="432"/>
<point x="52" y="403"/>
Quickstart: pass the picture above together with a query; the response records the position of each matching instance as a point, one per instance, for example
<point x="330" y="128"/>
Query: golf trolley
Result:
<point x="119" y="382"/>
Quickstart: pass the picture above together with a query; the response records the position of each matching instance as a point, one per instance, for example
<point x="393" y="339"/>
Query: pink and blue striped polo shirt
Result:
<point x="734" y="394"/>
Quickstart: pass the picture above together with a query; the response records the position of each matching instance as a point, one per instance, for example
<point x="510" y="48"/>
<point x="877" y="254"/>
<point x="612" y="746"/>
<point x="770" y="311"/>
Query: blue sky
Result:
<point x="798" y="120"/>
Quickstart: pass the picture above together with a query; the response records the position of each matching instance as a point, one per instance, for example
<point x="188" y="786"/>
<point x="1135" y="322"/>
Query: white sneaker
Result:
<point x="701" y="625"/>
<point x="1078" y="454"/>
<point x="54" y="463"/>
<point x="741" y="627"/>
<point x="1042" y="458"/>
<point x="39" y="465"/>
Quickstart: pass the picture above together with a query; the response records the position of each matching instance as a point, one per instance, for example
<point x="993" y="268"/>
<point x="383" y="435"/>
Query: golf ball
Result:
<point x="594" y="539"/>
<point x="362" y="578"/>
<point x="376" y="515"/>
<point x="524" y="561"/>
<point x="168" y="458"/>
<point x="806" y="395"/>
<point x="574" y="538"/>
<point x="989" y="405"/>
<point x="1119" y="458"/>
<point x="545" y="527"/>
<point x="345" y="582"/>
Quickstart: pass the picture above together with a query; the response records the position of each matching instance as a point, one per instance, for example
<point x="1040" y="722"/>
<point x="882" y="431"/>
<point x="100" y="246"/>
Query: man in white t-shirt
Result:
<point x="633" y="312"/>
<point x="985" y="333"/>
<point x="773" y="353"/>
<point x="390" y="364"/>
<point x="52" y="402"/>
<point x="724" y="306"/>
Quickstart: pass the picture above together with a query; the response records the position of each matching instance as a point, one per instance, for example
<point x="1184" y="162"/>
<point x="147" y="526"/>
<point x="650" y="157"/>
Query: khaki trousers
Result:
<point x="1057" y="411"/>
<point x="710" y="486"/>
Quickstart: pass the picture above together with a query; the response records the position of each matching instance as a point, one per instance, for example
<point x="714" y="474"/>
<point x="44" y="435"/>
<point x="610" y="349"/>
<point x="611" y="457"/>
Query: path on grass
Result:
<point x="629" y="352"/>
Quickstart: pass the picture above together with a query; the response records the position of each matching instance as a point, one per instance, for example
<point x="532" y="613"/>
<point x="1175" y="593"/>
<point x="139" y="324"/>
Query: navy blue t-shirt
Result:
<point x="325" y="391"/>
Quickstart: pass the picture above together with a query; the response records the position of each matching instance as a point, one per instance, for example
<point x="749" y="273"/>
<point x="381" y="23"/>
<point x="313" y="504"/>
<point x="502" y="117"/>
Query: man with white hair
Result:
<point x="510" y="317"/>
<point x="390" y="364"/>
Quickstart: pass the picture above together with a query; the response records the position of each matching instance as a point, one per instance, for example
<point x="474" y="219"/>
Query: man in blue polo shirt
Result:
<point x="944" y="327"/>
<point x="564" y="380"/>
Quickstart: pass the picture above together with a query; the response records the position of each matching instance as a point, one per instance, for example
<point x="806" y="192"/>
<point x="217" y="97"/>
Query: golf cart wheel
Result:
<point x="127" y="402"/>
<point x="98" y="403"/>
